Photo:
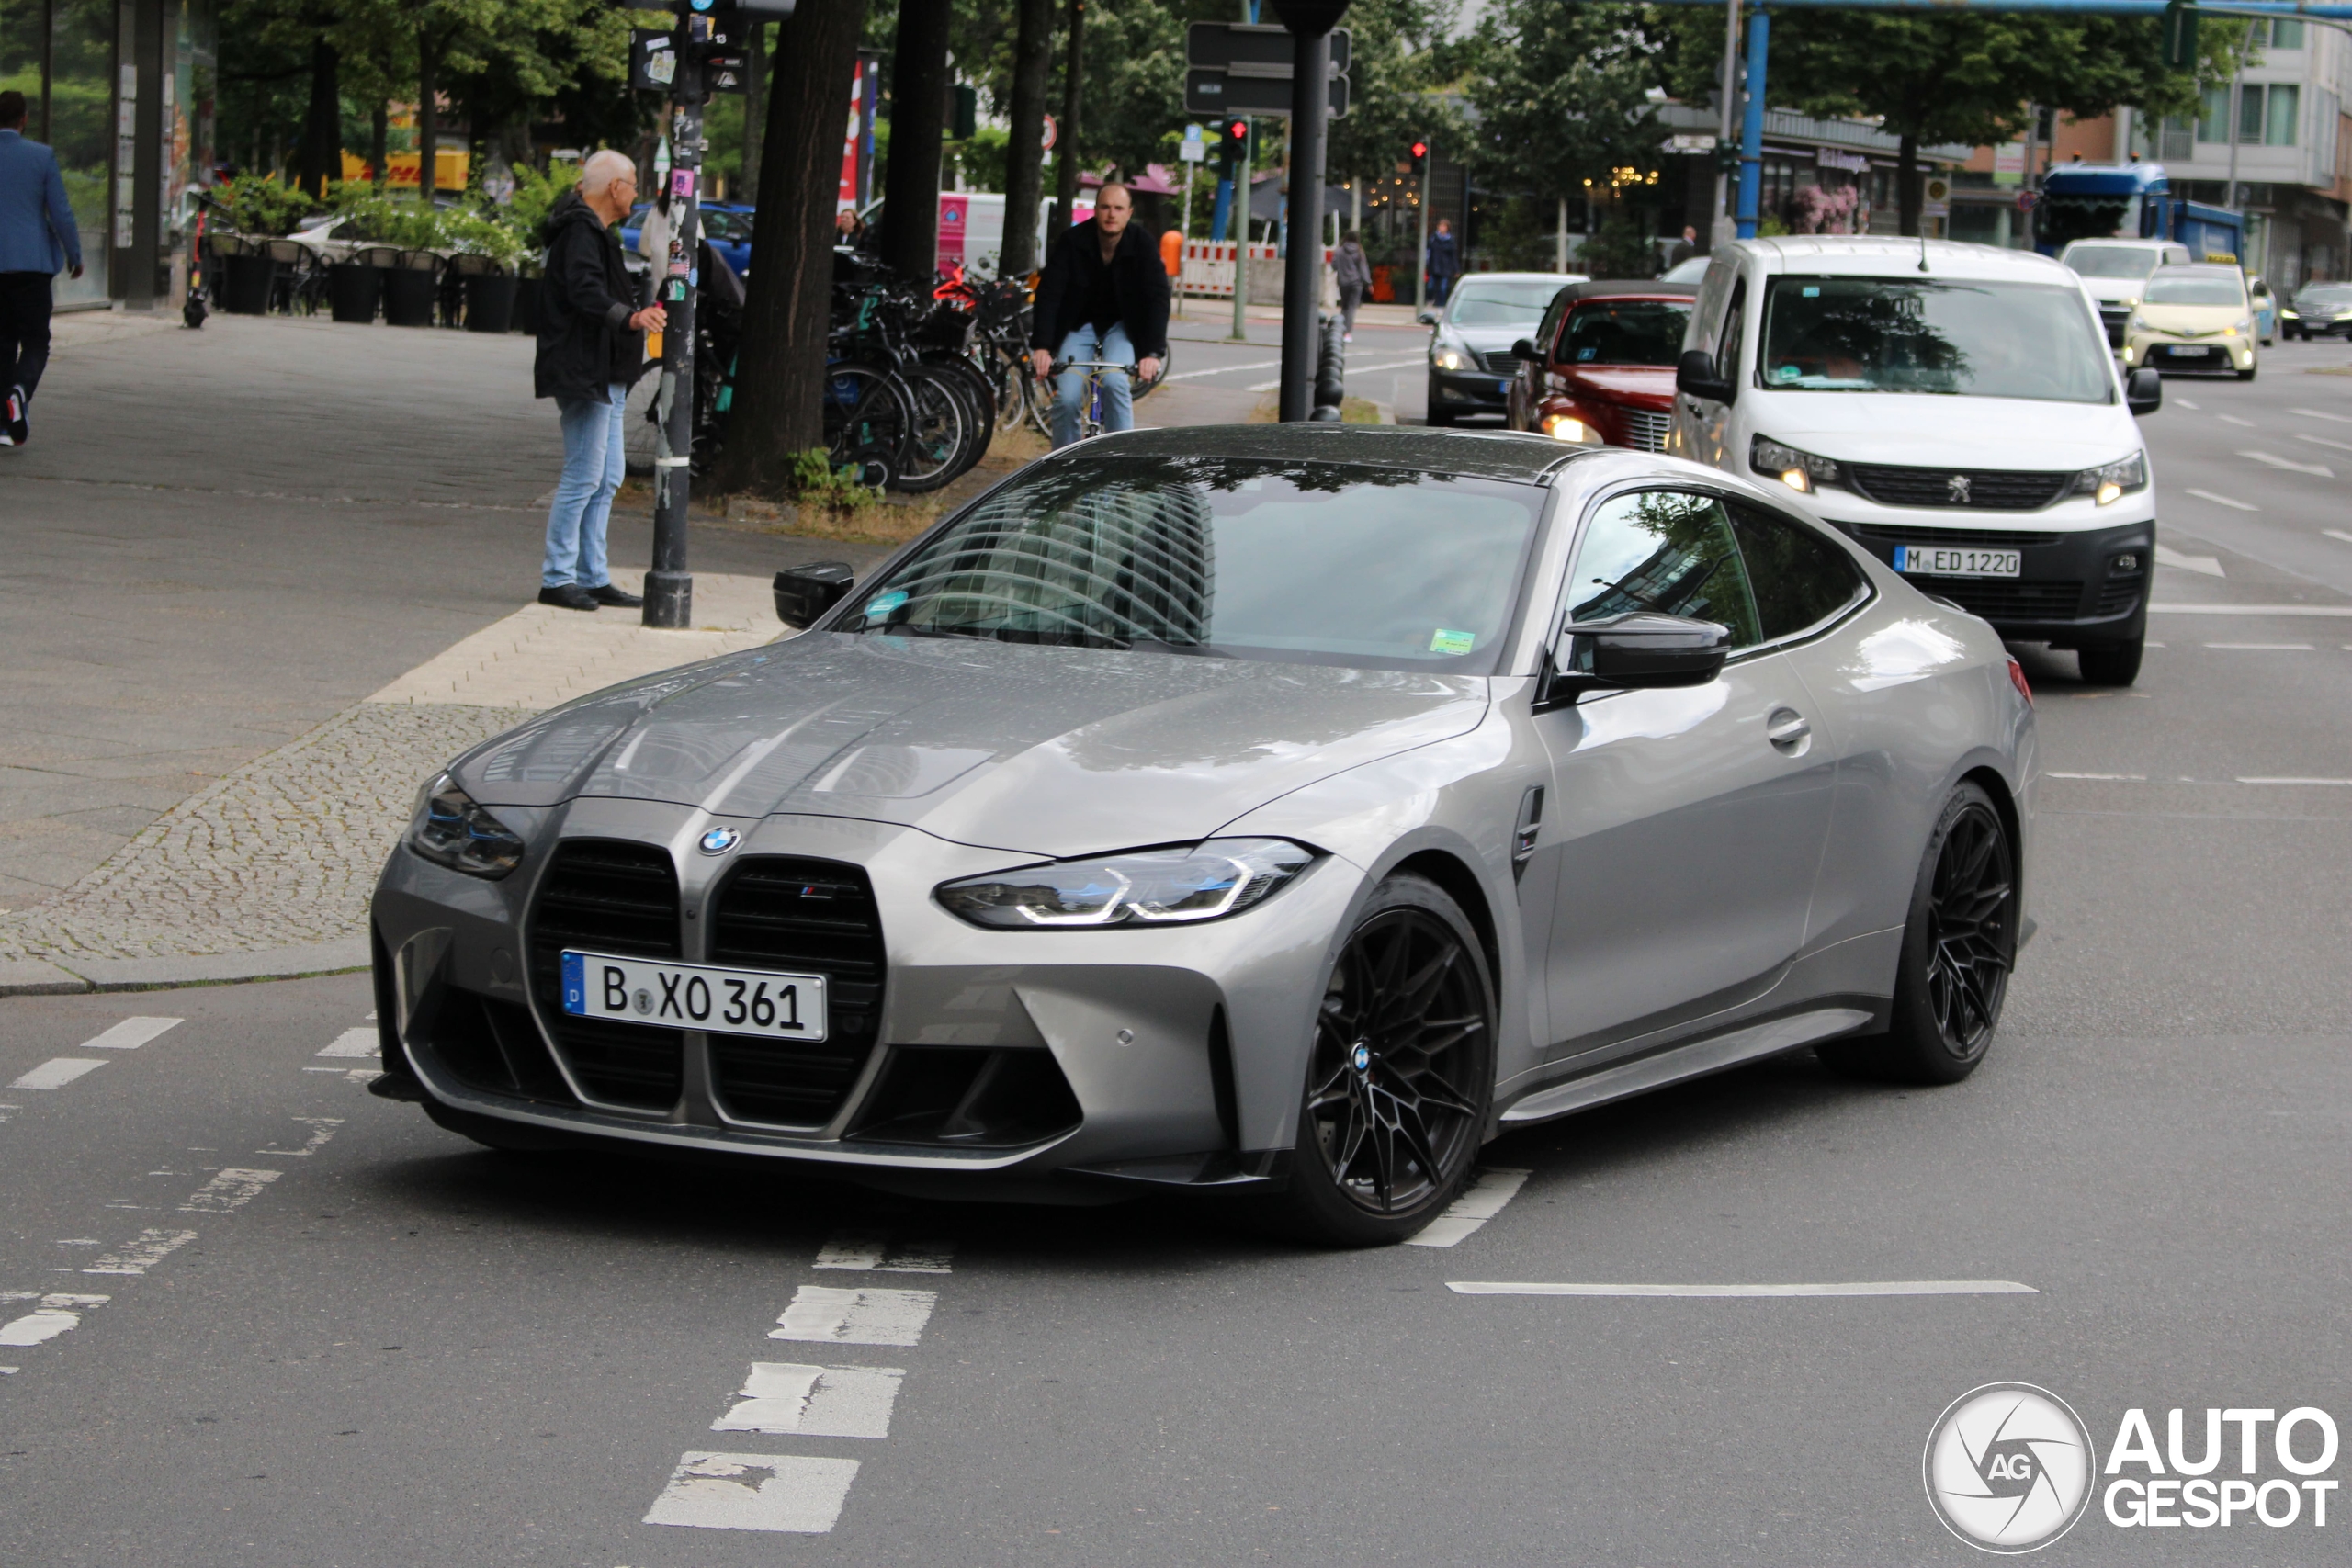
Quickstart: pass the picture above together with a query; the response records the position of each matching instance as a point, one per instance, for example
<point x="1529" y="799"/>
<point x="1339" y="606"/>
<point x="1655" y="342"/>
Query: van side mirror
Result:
<point x="2144" y="392"/>
<point x="805" y="593"/>
<point x="1641" y="649"/>
<point x="1695" y="376"/>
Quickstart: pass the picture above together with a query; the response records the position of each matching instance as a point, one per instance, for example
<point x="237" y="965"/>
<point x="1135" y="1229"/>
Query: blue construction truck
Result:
<point x="2116" y="223"/>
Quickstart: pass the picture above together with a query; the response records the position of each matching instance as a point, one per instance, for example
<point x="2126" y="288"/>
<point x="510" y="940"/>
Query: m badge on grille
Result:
<point x="1956" y="490"/>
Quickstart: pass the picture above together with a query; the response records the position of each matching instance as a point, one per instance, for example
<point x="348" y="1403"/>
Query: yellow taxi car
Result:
<point x="2193" y="318"/>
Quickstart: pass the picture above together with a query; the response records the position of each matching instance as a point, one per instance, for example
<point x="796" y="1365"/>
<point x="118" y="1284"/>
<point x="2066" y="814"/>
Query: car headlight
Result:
<point x="454" y="829"/>
<point x="1446" y="357"/>
<point x="2111" y="480"/>
<point x="1569" y="428"/>
<point x="1801" y="471"/>
<point x="2288" y="316"/>
<point x="1145" y="887"/>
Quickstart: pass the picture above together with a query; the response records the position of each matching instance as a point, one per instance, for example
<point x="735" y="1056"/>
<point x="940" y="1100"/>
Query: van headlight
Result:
<point x="1801" y="471"/>
<point x="452" y="828"/>
<point x="2110" y="480"/>
<point x="1145" y="887"/>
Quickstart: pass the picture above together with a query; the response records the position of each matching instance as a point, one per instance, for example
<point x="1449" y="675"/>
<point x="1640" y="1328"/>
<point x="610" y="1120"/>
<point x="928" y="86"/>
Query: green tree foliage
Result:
<point x="1398" y="68"/>
<point x="1560" y="94"/>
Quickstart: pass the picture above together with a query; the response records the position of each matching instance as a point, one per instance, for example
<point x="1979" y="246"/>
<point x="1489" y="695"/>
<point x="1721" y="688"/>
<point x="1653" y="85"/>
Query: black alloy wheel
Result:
<point x="1958" y="950"/>
<point x="1400" y="1072"/>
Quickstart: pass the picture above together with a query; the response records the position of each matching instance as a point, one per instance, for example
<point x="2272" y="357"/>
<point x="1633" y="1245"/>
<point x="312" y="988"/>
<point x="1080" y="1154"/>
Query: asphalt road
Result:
<point x="334" y="1335"/>
<point x="1385" y="364"/>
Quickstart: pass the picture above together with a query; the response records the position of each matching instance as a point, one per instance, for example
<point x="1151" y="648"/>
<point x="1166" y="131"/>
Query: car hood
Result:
<point x="1639" y="385"/>
<point x="2115" y="290"/>
<point x="1915" y="430"/>
<point x="2193" y="318"/>
<point x="1487" y="339"/>
<point x="1040" y="751"/>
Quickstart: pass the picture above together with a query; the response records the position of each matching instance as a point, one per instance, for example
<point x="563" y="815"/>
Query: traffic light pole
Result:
<point x="1241" y="242"/>
<point x="1310" y="129"/>
<point x="670" y="586"/>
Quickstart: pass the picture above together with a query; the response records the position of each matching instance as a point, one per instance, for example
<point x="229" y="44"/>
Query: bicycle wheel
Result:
<point x="640" y="437"/>
<point x="1014" y="385"/>
<point x="979" y="407"/>
<point x="1167" y="363"/>
<point x="866" y="419"/>
<point x="932" y="449"/>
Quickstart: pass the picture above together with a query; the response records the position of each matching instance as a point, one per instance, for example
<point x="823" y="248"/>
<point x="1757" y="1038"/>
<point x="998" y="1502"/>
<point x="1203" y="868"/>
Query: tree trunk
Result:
<point x="1066" y="134"/>
<point x="428" y="113"/>
<point x="323" y="123"/>
<point x="1907" y="185"/>
<point x="755" y="103"/>
<point x="1025" y="158"/>
<point x="918" y="122"/>
<point x="379" y="140"/>
<point x="780" y="376"/>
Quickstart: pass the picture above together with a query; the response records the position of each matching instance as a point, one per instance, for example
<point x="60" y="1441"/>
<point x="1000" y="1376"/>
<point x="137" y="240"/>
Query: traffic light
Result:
<point x="1236" y="141"/>
<point x="2179" y="36"/>
<point x="964" y="123"/>
<point x="1727" y="158"/>
<point x="1420" y="151"/>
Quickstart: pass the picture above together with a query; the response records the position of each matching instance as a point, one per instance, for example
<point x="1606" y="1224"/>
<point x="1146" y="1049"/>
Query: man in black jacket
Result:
<point x="1104" y="297"/>
<point x="592" y="346"/>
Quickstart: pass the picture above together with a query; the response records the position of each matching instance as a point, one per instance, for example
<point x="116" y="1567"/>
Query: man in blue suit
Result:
<point x="36" y="239"/>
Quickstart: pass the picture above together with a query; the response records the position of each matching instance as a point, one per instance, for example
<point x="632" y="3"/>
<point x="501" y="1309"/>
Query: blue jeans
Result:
<point x="595" y="461"/>
<point x="1118" y="400"/>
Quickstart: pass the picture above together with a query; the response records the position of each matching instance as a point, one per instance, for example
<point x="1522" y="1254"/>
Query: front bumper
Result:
<point x="993" y="1061"/>
<point x="1468" y="391"/>
<point x="2155" y="351"/>
<point x="2068" y="592"/>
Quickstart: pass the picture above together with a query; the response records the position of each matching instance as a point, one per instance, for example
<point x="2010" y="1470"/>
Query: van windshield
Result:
<point x="1957" y="338"/>
<point x="2111" y="261"/>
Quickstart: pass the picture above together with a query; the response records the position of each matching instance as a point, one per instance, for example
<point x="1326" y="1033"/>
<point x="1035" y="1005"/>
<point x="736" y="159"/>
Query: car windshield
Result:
<point x="1502" y="304"/>
<point x="1969" y="338"/>
<point x="1302" y="563"/>
<point x="2111" y="261"/>
<point x="1626" y="332"/>
<point x="2334" y="296"/>
<point x="2188" y="288"/>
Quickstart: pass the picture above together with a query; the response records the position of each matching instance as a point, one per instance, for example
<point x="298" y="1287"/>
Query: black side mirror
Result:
<point x="2144" y="392"/>
<point x="1427" y="318"/>
<point x="1695" y="376"/>
<point x="1638" y="649"/>
<point x="805" y="593"/>
<point x="1524" y="349"/>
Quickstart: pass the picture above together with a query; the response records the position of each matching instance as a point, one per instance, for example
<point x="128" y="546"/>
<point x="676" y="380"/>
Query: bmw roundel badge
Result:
<point x="718" y="840"/>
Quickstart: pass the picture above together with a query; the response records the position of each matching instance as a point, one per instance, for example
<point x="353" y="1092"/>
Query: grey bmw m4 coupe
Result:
<point x="1273" y="811"/>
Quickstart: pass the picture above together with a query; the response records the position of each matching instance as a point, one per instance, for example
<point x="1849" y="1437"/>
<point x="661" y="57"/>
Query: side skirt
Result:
<point x="1701" y="1058"/>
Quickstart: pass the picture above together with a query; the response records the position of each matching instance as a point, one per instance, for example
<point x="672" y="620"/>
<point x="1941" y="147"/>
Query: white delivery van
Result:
<point x="2117" y="273"/>
<point x="1954" y="408"/>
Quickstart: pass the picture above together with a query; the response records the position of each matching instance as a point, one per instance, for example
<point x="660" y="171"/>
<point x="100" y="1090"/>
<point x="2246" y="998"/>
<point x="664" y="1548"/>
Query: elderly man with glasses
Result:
<point x="592" y="346"/>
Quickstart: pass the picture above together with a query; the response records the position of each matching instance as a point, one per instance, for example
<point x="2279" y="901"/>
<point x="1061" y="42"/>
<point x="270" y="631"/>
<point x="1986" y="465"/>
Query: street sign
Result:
<point x="1192" y="149"/>
<point x="1218" y="92"/>
<point x="1681" y="143"/>
<point x="1244" y="68"/>
<point x="1934" y="197"/>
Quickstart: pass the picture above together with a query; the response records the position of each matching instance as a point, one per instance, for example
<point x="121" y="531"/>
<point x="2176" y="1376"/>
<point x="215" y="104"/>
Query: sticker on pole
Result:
<point x="682" y="184"/>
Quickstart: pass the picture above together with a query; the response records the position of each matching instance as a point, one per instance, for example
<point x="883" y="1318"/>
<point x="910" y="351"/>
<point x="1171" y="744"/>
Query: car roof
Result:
<point x="1876" y="256"/>
<point x="1630" y="289"/>
<point x="1508" y="455"/>
<point x="1516" y="277"/>
<point x="2201" y="269"/>
<point x="2131" y="240"/>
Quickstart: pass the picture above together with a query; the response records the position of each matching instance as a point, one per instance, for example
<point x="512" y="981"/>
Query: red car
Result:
<point x="1604" y="374"/>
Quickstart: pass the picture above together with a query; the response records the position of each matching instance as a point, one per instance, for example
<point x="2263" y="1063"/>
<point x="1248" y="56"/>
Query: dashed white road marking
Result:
<point x="322" y="1129"/>
<point x="131" y="1033"/>
<point x="1487" y="1193"/>
<point x="2185" y="403"/>
<point x="2272" y="459"/>
<point x="865" y="1317"/>
<point x="2324" y="441"/>
<point x="2316" y="413"/>
<point x="1391" y="365"/>
<point x="754" y="1492"/>
<point x="137" y="1256"/>
<point x="1221" y="369"/>
<point x="58" y="1312"/>
<point x="2335" y="611"/>
<point x="2262" y="647"/>
<point x="1864" y="1287"/>
<point x="59" y="1071"/>
<point x="354" y="1042"/>
<point x="2223" y="500"/>
<point x="2331" y="783"/>
<point x="886" y="1254"/>
<point x="2103" y="778"/>
<point x="231" y="1189"/>
<point x="2232" y="419"/>
<point x="2337" y="533"/>
<point x="2208" y="565"/>
<point x="786" y="1398"/>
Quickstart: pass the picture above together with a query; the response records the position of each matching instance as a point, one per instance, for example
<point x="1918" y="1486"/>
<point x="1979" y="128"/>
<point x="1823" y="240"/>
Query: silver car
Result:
<point x="1279" y="811"/>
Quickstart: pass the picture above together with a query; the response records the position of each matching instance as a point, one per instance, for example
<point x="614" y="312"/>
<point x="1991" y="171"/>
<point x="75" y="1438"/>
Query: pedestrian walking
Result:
<point x="37" y="240"/>
<point x="1444" y="261"/>
<point x="592" y="346"/>
<point x="1684" y="248"/>
<point x="1351" y="270"/>
<point x="1104" y="297"/>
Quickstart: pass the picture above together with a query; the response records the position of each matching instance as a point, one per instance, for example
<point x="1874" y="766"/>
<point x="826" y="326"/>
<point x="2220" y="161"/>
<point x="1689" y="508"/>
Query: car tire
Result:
<point x="492" y="1133"/>
<point x="1958" y="945"/>
<point x="2248" y="374"/>
<point x="2117" y="666"/>
<point x="1436" y="420"/>
<point x="1400" y="1074"/>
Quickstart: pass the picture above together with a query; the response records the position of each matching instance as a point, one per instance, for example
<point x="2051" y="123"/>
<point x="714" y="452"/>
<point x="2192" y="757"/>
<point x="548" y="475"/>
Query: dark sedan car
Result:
<point x="1599" y="371"/>
<point x="2318" y="309"/>
<point x="1470" y="357"/>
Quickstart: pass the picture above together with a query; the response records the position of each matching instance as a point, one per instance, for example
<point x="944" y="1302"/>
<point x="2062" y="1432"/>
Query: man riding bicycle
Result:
<point x="1104" y="298"/>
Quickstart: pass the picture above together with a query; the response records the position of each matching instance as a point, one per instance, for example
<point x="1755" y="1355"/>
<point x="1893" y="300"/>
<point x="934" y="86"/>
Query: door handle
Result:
<point x="1788" y="729"/>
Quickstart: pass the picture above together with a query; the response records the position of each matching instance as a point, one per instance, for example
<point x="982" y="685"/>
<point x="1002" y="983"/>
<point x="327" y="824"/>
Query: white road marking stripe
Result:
<point x="2264" y="646"/>
<point x="2324" y="441"/>
<point x="886" y="1254"/>
<point x="2338" y="611"/>
<point x="2232" y="419"/>
<point x="2222" y="501"/>
<point x="2105" y="778"/>
<point x="322" y="1129"/>
<point x="59" y="1071"/>
<point x="232" y="1189"/>
<point x="786" y="1398"/>
<point x="865" y="1316"/>
<point x="138" y="1256"/>
<point x="1488" y="1194"/>
<point x="130" y="1034"/>
<point x="2185" y="403"/>
<point x="1867" y="1287"/>
<point x="1396" y="364"/>
<point x="57" y="1313"/>
<point x="2208" y="565"/>
<point x="2334" y="783"/>
<point x="1221" y="369"/>
<point x="2337" y="533"/>
<point x="2316" y="413"/>
<point x="2273" y="461"/>
<point x="354" y="1042"/>
<point x="754" y="1492"/>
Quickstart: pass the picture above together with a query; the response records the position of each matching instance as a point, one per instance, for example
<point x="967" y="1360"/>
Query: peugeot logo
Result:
<point x="1956" y="490"/>
<point x="718" y="840"/>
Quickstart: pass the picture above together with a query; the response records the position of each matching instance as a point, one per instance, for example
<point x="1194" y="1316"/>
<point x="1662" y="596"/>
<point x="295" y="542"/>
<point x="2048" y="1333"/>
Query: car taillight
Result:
<point x="2017" y="678"/>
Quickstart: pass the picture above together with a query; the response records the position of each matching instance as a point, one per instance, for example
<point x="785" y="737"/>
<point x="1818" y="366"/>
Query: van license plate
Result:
<point x="695" y="996"/>
<point x="1922" y="561"/>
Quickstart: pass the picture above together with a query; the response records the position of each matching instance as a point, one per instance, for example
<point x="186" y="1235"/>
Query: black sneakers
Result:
<point x="18" y="429"/>
<point x="614" y="595"/>
<point x="568" y="596"/>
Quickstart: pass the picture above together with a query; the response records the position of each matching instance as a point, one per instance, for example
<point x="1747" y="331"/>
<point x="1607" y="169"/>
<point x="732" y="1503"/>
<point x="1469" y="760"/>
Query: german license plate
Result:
<point x="1942" y="560"/>
<point x="695" y="996"/>
<point x="2193" y="351"/>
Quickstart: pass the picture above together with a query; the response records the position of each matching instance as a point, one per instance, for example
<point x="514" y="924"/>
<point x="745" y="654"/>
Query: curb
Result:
<point x="50" y="977"/>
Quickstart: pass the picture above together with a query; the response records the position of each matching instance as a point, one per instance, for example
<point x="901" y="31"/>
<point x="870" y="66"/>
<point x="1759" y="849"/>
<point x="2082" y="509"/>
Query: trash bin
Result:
<point x="410" y="289"/>
<point x="245" y="285"/>
<point x="490" y="302"/>
<point x="354" y="289"/>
